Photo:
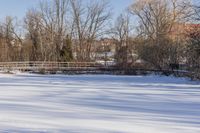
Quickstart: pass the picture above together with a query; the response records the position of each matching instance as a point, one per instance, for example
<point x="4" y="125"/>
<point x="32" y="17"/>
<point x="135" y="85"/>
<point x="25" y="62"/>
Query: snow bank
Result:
<point x="98" y="104"/>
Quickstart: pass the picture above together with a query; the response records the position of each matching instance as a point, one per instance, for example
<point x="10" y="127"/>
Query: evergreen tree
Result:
<point x="66" y="52"/>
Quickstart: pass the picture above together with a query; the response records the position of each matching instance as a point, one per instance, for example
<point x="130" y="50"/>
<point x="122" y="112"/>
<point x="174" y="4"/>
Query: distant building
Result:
<point x="105" y="51"/>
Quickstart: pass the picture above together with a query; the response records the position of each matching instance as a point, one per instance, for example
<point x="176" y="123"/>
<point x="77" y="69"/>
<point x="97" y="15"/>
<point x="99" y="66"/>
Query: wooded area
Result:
<point x="151" y="33"/>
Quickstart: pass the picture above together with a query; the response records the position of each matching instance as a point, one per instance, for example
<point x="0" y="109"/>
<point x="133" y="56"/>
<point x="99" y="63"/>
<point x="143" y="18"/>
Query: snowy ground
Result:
<point x="98" y="104"/>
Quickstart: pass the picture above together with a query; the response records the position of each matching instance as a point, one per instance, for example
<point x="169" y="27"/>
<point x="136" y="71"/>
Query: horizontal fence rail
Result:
<point x="34" y="66"/>
<point x="82" y="67"/>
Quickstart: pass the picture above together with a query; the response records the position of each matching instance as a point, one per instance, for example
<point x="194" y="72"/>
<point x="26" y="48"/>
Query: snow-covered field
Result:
<point x="98" y="104"/>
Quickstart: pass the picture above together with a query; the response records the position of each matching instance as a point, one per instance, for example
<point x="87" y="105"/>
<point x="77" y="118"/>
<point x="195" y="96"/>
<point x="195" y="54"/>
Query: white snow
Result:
<point x="98" y="104"/>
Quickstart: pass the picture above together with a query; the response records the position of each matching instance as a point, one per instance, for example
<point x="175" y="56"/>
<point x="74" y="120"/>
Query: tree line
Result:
<point x="160" y="34"/>
<point x="167" y="34"/>
<point x="48" y="32"/>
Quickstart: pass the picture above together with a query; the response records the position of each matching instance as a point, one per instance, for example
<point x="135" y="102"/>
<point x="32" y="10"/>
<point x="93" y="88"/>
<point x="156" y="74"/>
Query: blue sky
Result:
<point x="19" y="7"/>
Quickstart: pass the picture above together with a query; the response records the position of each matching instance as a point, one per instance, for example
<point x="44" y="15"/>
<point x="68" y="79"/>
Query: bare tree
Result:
<point x="193" y="47"/>
<point x="122" y="37"/>
<point x="47" y="27"/>
<point x="157" y="21"/>
<point x="54" y="22"/>
<point x="11" y="40"/>
<point x="34" y="28"/>
<point x="89" y="22"/>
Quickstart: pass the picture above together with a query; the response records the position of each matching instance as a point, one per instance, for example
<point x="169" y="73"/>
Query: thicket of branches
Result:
<point x="152" y="32"/>
<point x="169" y="34"/>
<point x="55" y="31"/>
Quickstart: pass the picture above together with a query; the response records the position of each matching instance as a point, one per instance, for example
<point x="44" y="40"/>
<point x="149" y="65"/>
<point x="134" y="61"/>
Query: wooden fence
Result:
<point x="39" y="65"/>
<point x="79" y="67"/>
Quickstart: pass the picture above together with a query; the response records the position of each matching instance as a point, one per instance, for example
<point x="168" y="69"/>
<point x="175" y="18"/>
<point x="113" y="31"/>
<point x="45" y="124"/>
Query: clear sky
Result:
<point x="19" y="7"/>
